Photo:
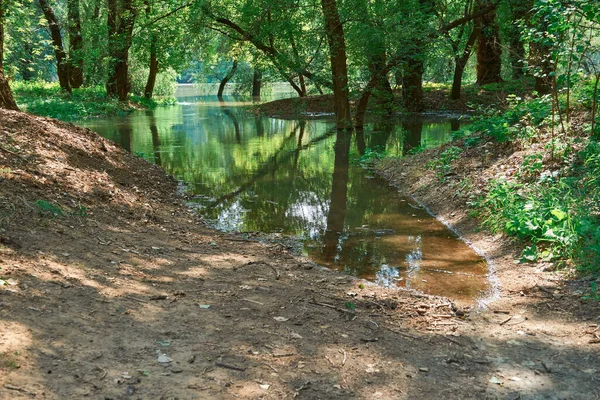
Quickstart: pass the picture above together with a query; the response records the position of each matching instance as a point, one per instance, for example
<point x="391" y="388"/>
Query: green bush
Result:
<point x="521" y="120"/>
<point x="559" y="216"/>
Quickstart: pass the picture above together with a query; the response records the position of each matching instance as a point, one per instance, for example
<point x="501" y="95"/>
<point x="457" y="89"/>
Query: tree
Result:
<point x="227" y="78"/>
<point x="62" y="66"/>
<point x="339" y="70"/>
<point x="489" y="48"/>
<point x="75" y="61"/>
<point x="120" y="21"/>
<point x="7" y="100"/>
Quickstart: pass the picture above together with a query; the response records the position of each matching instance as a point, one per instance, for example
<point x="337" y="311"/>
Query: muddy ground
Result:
<point x="115" y="290"/>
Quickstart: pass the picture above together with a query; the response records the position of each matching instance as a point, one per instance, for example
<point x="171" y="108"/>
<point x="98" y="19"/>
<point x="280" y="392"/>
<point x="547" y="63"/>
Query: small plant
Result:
<point x="443" y="164"/>
<point x="532" y="165"/>
<point x="350" y="305"/>
<point x="46" y="208"/>
<point x="593" y="295"/>
<point x="9" y="361"/>
<point x="369" y="156"/>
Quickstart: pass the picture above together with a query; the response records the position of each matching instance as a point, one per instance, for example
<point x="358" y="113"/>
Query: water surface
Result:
<point x="299" y="179"/>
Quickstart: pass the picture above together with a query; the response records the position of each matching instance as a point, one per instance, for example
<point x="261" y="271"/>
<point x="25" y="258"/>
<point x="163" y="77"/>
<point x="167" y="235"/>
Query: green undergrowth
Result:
<point x="48" y="100"/>
<point x="552" y="202"/>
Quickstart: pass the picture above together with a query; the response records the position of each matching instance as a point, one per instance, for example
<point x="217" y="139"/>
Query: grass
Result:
<point x="48" y="100"/>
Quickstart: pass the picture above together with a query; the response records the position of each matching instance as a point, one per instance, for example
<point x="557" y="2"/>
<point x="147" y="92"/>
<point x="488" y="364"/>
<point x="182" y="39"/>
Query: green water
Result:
<point x="298" y="180"/>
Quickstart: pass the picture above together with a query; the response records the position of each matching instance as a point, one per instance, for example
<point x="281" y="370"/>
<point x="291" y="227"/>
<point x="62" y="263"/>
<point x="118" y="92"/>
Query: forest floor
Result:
<point x="114" y="289"/>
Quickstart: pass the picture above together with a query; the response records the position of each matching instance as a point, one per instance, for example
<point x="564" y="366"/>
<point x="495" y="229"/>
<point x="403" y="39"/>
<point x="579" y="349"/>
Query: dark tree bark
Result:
<point x="412" y="83"/>
<point x="339" y="69"/>
<point x="7" y="100"/>
<point x="75" y="44"/>
<point x="149" y="89"/>
<point x="227" y="78"/>
<point x="256" y="84"/>
<point x="121" y="18"/>
<point x="489" y="48"/>
<point x="62" y="66"/>
<point x="461" y="62"/>
<point x="540" y="61"/>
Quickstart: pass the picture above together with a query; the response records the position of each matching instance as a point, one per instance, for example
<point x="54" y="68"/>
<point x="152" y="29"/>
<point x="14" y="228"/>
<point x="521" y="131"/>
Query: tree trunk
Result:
<point x="461" y="62"/>
<point x="75" y="45"/>
<point x="412" y="83"/>
<point x="62" y="66"/>
<point x="489" y="49"/>
<point x="541" y="64"/>
<point x="256" y="84"/>
<point x="7" y="100"/>
<point x="339" y="70"/>
<point x="382" y="90"/>
<point x="121" y="18"/>
<point x="149" y="90"/>
<point x="517" y="55"/>
<point x="227" y="78"/>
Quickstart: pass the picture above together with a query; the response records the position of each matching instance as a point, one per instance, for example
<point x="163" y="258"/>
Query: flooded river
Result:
<point x="299" y="182"/>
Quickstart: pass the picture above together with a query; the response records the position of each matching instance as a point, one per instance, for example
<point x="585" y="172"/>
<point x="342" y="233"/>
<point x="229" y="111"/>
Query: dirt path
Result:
<point x="138" y="299"/>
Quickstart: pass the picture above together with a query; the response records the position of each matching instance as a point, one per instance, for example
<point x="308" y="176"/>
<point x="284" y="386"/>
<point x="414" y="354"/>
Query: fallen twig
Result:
<point x="229" y="366"/>
<point x="135" y="299"/>
<point x="13" y="153"/>
<point x="316" y="303"/>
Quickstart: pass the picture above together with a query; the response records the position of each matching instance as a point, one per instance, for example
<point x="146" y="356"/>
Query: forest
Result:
<point x="299" y="198"/>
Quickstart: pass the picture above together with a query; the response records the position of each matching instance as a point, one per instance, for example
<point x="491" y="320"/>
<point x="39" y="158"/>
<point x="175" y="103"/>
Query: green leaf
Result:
<point x="559" y="214"/>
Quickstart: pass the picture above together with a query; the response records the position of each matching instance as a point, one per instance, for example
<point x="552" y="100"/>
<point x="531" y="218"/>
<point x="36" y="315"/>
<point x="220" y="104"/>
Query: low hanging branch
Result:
<point x="268" y="49"/>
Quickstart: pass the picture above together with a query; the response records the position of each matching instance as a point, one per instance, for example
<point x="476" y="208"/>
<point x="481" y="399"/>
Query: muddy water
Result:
<point x="299" y="179"/>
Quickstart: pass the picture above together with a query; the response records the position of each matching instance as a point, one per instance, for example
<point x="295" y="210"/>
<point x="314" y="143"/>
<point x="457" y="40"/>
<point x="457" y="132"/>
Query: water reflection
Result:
<point x="256" y="174"/>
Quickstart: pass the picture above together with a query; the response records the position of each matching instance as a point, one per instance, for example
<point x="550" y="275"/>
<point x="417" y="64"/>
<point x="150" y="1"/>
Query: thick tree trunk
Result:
<point x="149" y="89"/>
<point x="412" y="83"/>
<point x="121" y="18"/>
<point x="227" y="78"/>
<point x="7" y="100"/>
<point x="256" y="84"/>
<point x="489" y="48"/>
<point x="461" y="62"/>
<point x="382" y="91"/>
<point x="75" y="45"/>
<point x="62" y="67"/>
<point x="339" y="69"/>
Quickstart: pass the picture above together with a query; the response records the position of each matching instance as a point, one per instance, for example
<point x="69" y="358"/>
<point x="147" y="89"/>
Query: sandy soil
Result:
<point x="137" y="298"/>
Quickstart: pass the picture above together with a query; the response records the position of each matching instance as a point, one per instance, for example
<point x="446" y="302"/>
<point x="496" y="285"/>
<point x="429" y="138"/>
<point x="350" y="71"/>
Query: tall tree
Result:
<point x="62" y="66"/>
<point x="339" y="69"/>
<point x="121" y="18"/>
<point x="6" y="98"/>
<point x="75" y="62"/>
<point x="489" y="48"/>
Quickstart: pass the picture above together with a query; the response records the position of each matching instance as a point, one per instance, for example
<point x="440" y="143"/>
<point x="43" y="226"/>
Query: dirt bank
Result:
<point x="115" y="290"/>
<point x="435" y="100"/>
